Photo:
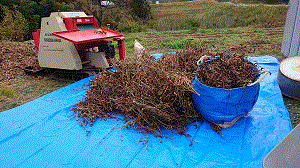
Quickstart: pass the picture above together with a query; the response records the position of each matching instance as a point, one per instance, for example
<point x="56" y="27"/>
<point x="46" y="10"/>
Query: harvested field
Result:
<point x="13" y="57"/>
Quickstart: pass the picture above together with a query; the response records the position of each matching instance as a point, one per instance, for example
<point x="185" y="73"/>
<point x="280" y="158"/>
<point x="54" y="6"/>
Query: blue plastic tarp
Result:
<point x="43" y="133"/>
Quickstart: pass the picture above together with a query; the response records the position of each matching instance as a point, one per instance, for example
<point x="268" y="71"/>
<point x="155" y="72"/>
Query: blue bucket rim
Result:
<point x="238" y="88"/>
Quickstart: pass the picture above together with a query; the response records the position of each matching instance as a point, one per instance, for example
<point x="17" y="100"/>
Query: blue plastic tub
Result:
<point x="224" y="106"/>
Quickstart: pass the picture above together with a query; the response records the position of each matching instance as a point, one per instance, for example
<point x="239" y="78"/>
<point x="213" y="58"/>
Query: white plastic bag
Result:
<point x="138" y="48"/>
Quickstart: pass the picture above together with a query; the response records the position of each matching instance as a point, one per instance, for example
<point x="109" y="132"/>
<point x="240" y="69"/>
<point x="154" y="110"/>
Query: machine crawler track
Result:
<point x="63" y="74"/>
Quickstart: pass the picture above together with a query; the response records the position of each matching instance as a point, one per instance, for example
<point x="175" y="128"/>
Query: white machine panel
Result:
<point x="68" y="14"/>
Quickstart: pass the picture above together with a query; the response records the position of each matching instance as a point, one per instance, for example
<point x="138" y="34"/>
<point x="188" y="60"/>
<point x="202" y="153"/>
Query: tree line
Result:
<point x="19" y="18"/>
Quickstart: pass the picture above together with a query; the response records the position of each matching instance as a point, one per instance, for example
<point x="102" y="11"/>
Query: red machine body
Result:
<point x="85" y="33"/>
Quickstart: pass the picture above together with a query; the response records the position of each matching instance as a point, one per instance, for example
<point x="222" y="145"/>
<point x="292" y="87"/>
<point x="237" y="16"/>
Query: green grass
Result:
<point x="268" y="51"/>
<point x="8" y="92"/>
<point x="8" y="98"/>
<point x="25" y="89"/>
<point x="12" y="104"/>
<point x="267" y="41"/>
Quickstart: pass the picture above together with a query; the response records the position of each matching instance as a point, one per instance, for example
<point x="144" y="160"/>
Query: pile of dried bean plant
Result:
<point x="153" y="94"/>
<point x="149" y="96"/>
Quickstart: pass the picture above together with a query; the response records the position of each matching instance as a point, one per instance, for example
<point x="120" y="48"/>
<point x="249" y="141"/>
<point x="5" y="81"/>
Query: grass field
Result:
<point x="189" y="15"/>
<point x="266" y="41"/>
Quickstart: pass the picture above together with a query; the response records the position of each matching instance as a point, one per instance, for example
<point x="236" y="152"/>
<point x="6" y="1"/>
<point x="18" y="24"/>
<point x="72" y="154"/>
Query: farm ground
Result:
<point x="260" y="41"/>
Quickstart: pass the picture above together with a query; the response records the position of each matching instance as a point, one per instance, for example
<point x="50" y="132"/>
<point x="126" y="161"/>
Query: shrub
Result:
<point x="130" y="26"/>
<point x="13" y="26"/>
<point x="181" y="44"/>
<point x="5" y="91"/>
<point x="141" y="9"/>
<point x="1" y="13"/>
<point x="122" y="21"/>
<point x="193" y="22"/>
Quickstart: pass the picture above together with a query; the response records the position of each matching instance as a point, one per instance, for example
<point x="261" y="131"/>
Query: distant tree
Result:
<point x="122" y="15"/>
<point x="141" y="8"/>
<point x="13" y="26"/>
<point x="1" y="13"/>
<point x="34" y="10"/>
<point x="9" y="4"/>
<point x="98" y="8"/>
